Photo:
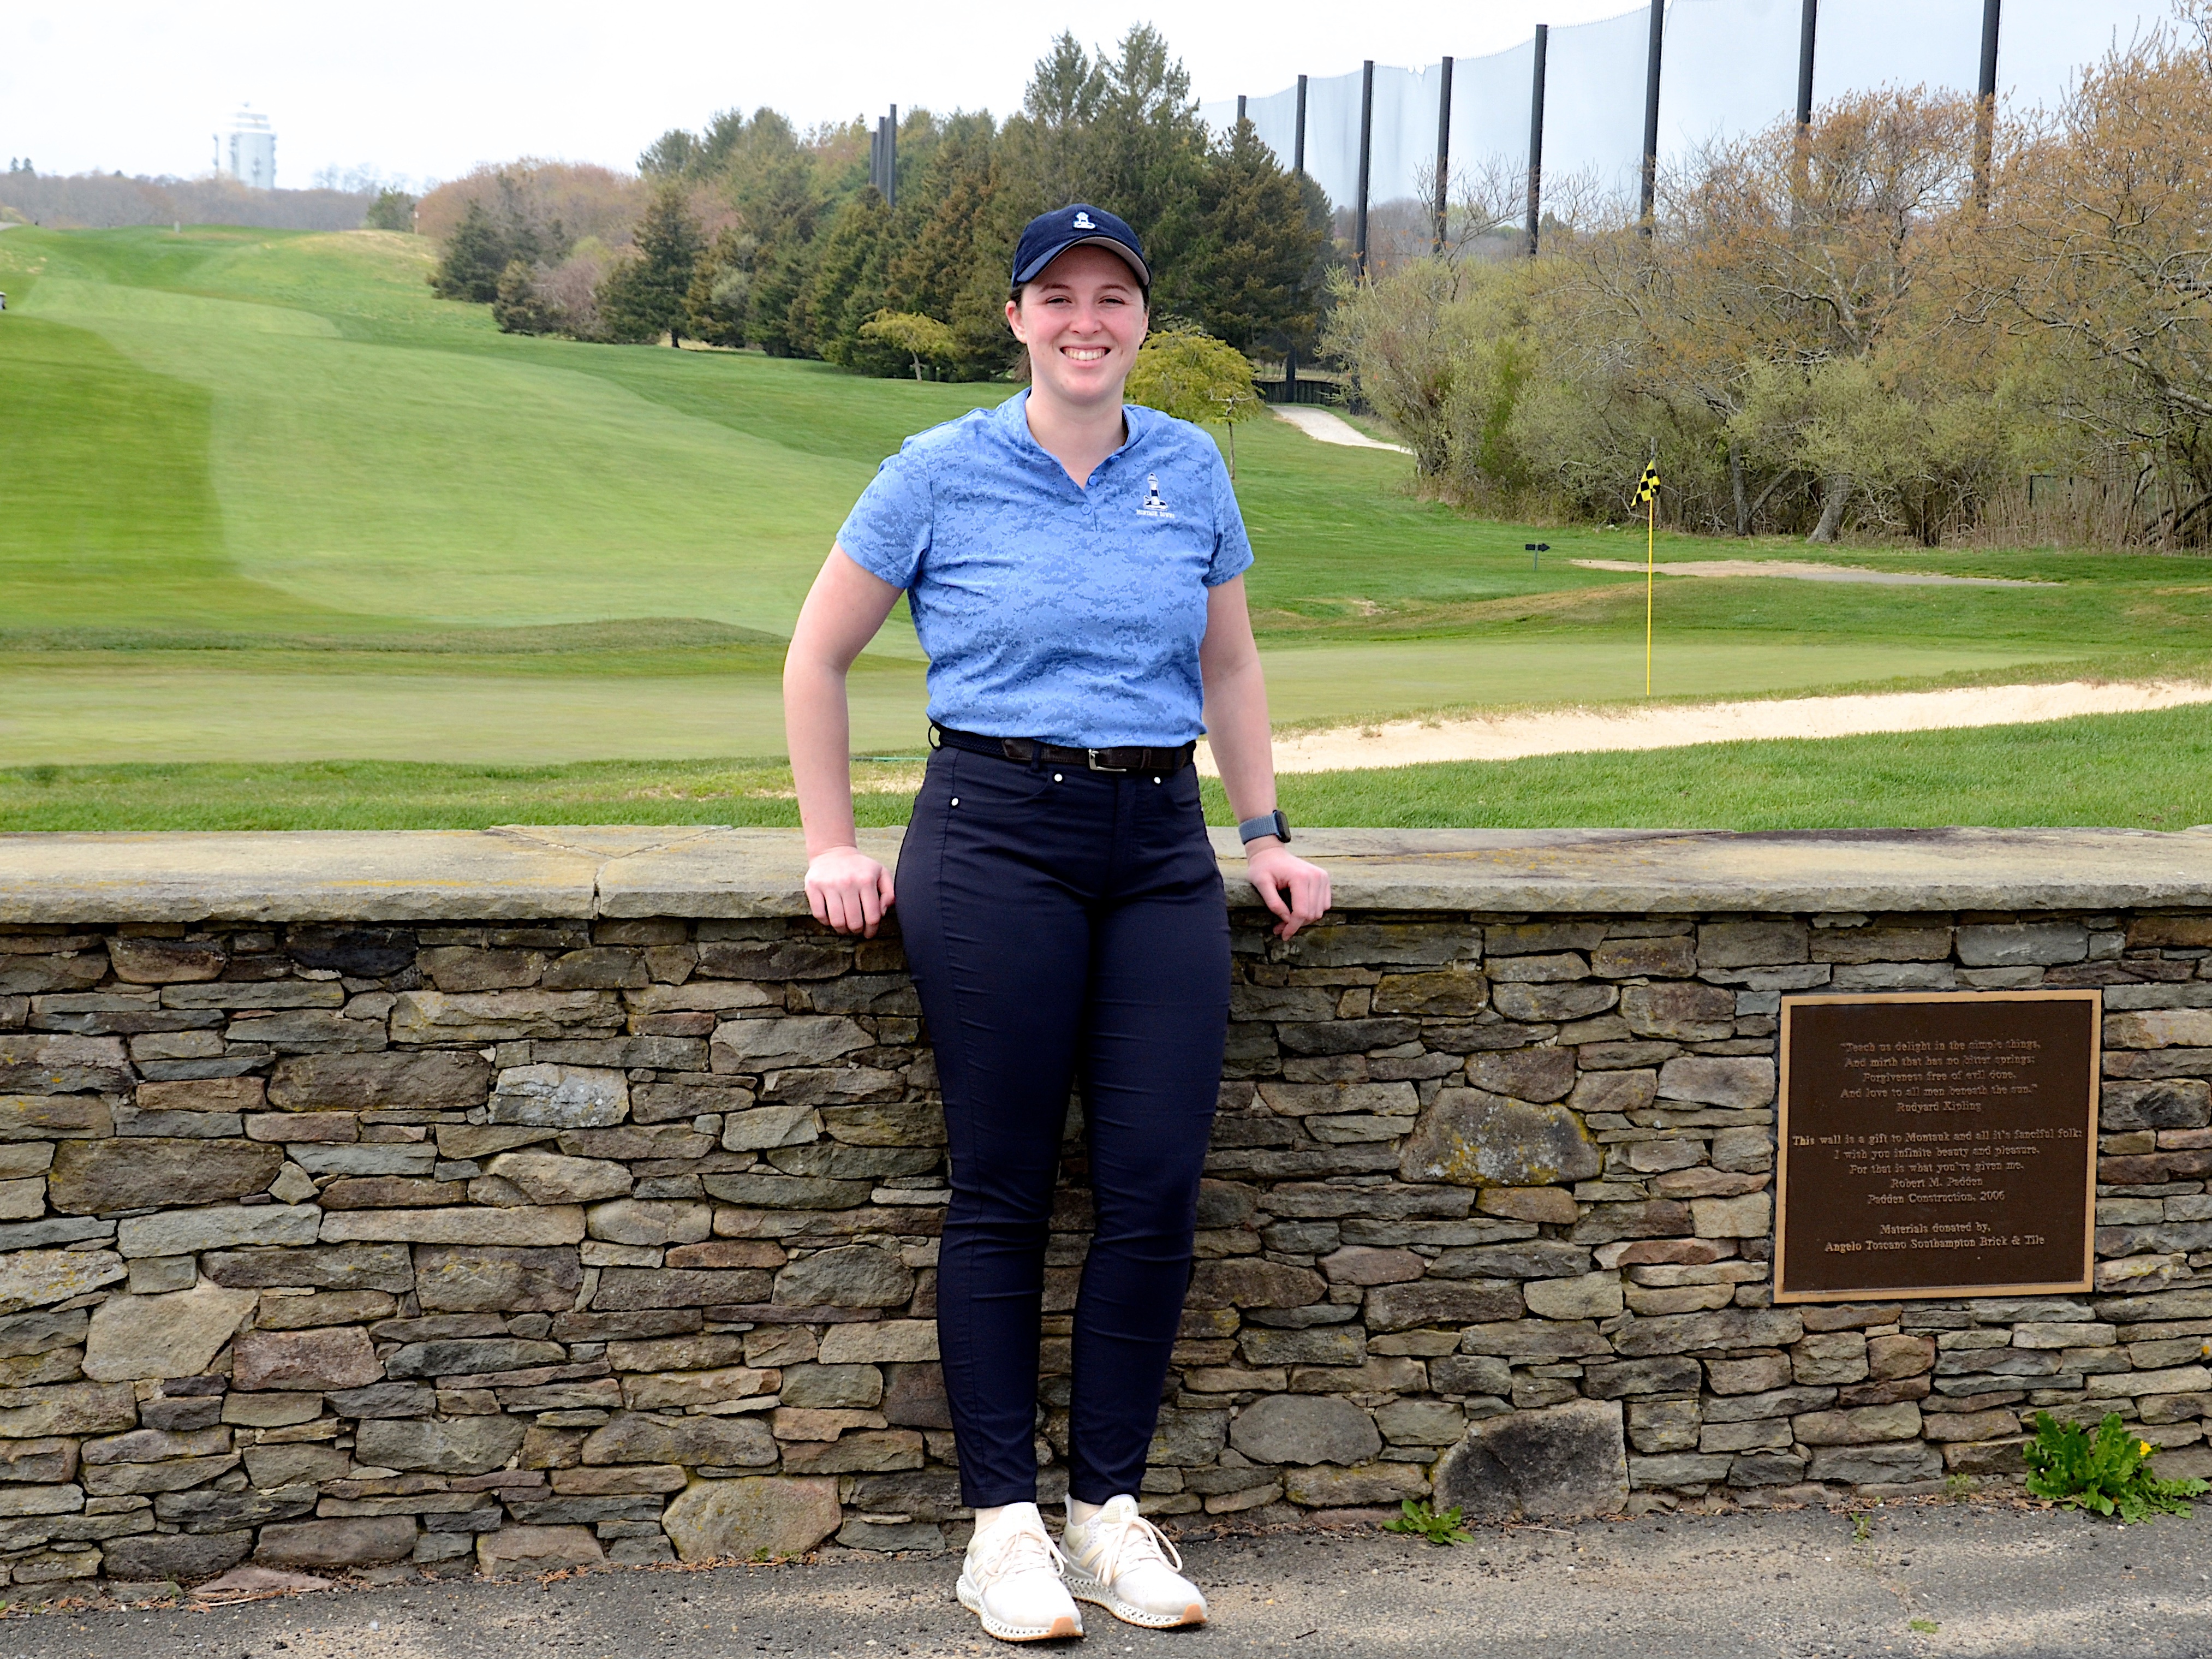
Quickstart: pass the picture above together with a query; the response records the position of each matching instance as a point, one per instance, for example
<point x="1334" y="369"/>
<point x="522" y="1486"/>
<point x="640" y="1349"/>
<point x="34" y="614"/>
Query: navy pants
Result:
<point x="1065" y="925"/>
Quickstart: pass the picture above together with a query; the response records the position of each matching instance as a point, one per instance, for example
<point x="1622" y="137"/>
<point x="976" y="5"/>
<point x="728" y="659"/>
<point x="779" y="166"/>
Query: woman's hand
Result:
<point x="848" y="890"/>
<point x="1281" y="875"/>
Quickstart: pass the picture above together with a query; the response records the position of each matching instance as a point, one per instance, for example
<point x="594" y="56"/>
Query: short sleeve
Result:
<point x="888" y="531"/>
<point x="1232" y="547"/>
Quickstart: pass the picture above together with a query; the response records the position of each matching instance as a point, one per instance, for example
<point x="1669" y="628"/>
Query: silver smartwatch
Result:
<point x="1267" y="824"/>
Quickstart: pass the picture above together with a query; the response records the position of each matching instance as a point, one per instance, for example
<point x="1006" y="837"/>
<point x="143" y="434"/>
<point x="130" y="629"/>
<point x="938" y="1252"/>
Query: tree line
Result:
<point x="1904" y="318"/>
<point x="105" y="201"/>
<point x="751" y="232"/>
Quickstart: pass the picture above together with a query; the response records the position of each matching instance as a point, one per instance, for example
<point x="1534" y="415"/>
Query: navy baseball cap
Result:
<point x="1048" y="235"/>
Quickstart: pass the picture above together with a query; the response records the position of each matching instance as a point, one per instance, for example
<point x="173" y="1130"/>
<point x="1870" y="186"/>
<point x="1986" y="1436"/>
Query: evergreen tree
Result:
<point x="774" y="190"/>
<point x="476" y="253"/>
<point x="643" y="298"/>
<point x="669" y="156"/>
<point x="845" y="287"/>
<point x="516" y="306"/>
<point x="1252" y="272"/>
<point x="719" y="296"/>
<point x="1045" y="145"/>
<point x="1147" y="146"/>
<point x="487" y="239"/>
<point x="951" y="247"/>
<point x="393" y="210"/>
<point x="809" y="253"/>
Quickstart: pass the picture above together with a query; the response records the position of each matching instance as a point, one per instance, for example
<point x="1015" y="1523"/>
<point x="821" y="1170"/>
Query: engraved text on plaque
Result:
<point x="1936" y="1144"/>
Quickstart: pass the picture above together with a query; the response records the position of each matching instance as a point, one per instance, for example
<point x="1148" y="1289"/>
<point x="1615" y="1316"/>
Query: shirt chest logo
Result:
<point x="1154" y="507"/>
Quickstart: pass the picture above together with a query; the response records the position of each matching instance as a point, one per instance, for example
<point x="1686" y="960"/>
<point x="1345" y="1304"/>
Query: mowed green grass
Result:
<point x="2139" y="771"/>
<point x="495" y="709"/>
<point x="265" y="502"/>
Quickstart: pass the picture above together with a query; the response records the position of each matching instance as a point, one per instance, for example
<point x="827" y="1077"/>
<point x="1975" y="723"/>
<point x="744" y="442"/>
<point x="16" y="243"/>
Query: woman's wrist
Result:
<point x="1266" y="828"/>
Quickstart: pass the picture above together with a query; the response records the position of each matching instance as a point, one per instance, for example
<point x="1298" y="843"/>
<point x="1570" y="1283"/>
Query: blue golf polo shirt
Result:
<point x="1049" y="610"/>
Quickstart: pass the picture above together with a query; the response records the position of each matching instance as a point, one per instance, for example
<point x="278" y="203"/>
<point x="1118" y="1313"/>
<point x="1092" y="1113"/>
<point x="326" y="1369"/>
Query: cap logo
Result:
<point x="1082" y="221"/>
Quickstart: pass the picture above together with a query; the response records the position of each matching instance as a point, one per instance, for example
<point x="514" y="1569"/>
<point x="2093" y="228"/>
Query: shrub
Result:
<point x="1183" y="371"/>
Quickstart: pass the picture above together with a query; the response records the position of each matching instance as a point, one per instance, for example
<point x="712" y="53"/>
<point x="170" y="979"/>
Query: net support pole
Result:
<point x="1299" y="166"/>
<point x="1651" y="181"/>
<point x="890" y="158"/>
<point x="1985" y="104"/>
<point x="1808" y="30"/>
<point x="1536" y="137"/>
<point x="1240" y="109"/>
<point x="1444" y="153"/>
<point x="1366" y="161"/>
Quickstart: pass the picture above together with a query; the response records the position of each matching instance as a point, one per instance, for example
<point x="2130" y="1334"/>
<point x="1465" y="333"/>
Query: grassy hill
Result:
<point x="265" y="502"/>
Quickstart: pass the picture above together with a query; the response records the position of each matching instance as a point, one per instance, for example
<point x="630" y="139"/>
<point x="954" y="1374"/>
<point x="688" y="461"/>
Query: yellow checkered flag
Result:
<point x="1647" y="497"/>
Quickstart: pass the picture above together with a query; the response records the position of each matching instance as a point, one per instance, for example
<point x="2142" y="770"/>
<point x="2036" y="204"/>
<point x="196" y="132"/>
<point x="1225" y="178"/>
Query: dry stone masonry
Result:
<point x="408" y="1242"/>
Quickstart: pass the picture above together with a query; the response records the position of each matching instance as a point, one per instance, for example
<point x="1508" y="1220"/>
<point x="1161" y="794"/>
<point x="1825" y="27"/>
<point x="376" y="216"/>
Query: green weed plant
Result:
<point x="2108" y="1472"/>
<point x="1437" y="1527"/>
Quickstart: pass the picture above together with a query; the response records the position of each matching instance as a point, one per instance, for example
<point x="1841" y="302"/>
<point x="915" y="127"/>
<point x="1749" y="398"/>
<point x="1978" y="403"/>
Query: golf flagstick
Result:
<point x="1647" y="497"/>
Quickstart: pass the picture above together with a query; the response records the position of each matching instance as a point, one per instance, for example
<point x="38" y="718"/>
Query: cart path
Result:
<point x="1987" y="1580"/>
<point x="1331" y="428"/>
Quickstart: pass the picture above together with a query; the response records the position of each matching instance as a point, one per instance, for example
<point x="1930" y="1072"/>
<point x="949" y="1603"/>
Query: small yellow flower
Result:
<point x="2145" y="1445"/>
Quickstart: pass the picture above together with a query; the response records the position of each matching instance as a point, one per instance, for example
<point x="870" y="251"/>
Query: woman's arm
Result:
<point x="1236" y="730"/>
<point x="846" y="889"/>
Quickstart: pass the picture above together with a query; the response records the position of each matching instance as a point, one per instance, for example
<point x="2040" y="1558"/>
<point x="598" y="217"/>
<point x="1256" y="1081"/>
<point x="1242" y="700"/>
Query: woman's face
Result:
<point x="1082" y="318"/>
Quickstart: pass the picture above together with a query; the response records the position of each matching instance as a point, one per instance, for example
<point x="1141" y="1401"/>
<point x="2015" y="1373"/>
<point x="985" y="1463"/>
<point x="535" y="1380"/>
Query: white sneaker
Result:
<point x="1124" y="1564"/>
<point x="1011" y="1580"/>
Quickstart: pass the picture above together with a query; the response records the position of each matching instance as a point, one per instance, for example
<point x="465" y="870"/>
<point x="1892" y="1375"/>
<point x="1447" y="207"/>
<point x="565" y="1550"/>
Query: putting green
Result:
<point x="215" y="713"/>
<point x="171" y="706"/>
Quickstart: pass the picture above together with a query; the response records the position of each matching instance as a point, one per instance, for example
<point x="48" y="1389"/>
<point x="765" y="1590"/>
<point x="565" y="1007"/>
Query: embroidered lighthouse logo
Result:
<point x="1154" y="507"/>
<point x="1082" y="221"/>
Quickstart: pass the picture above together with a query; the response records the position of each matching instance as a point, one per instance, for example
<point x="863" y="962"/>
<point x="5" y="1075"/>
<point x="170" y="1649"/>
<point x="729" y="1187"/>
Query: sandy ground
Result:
<point x="1331" y="428"/>
<point x="1556" y="731"/>
<point x="1805" y="573"/>
<point x="1959" y="1581"/>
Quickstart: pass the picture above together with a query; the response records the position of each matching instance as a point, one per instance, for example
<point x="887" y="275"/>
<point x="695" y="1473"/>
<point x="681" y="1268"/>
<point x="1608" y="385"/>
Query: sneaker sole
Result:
<point x="1061" y="1629"/>
<point x="1084" y="1588"/>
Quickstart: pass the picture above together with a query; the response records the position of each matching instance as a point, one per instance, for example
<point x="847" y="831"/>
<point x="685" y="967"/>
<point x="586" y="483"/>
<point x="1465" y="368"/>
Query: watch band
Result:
<point x="1267" y="824"/>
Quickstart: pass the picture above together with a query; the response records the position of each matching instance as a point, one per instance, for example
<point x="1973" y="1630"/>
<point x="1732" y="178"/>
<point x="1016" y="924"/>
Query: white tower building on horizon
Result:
<point x="251" y="155"/>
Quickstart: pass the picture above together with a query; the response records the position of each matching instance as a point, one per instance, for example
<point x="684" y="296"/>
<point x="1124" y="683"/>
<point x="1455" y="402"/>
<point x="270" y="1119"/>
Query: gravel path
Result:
<point x="1554" y="732"/>
<point x="1979" y="1581"/>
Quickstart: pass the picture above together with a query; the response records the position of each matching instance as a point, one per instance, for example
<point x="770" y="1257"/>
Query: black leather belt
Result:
<point x="1133" y="758"/>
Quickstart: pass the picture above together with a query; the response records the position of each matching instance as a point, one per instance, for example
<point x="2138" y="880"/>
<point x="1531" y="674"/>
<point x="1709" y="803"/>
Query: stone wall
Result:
<point x="406" y="1245"/>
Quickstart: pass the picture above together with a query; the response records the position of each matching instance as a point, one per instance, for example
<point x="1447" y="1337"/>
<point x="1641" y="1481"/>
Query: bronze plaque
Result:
<point x="1936" y="1144"/>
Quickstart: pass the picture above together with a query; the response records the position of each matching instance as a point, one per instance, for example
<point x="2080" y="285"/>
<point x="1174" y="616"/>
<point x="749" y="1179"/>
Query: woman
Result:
<point x="1074" y="570"/>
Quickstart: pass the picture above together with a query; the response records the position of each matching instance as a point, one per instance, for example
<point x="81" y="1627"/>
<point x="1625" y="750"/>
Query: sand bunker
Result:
<point x="1513" y="737"/>
<point x="1805" y="573"/>
<point x="1331" y="429"/>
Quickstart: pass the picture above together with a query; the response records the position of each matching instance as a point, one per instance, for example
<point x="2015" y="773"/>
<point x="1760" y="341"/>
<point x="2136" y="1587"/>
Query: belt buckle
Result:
<point x="1090" y="758"/>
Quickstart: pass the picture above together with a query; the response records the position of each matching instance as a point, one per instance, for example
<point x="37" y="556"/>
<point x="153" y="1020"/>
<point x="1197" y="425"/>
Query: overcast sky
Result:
<point x="427" y="91"/>
<point x="431" y="90"/>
